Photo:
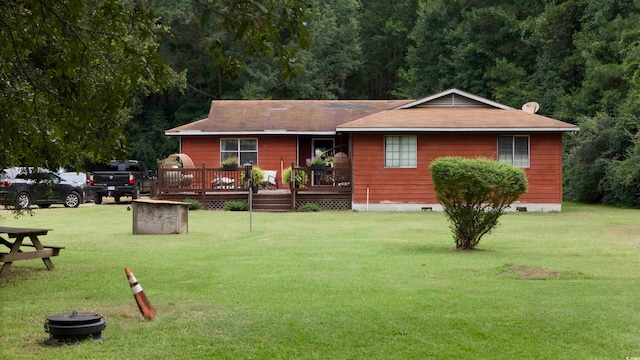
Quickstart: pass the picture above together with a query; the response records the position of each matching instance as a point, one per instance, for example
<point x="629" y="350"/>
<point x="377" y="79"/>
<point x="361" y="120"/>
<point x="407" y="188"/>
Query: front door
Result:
<point x="323" y="147"/>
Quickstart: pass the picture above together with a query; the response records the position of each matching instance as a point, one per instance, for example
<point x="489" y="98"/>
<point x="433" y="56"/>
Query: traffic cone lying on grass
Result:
<point x="144" y="304"/>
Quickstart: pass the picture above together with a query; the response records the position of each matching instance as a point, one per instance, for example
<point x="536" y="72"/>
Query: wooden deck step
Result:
<point x="272" y="202"/>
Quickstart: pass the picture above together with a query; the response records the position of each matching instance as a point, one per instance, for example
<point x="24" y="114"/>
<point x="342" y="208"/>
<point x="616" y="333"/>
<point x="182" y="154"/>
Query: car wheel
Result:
<point x="44" y="206"/>
<point x="98" y="199"/>
<point x="116" y="199"/>
<point x="24" y="200"/>
<point x="136" y="193"/>
<point x="72" y="200"/>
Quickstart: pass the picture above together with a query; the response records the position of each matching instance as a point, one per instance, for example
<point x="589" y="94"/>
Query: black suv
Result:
<point x="41" y="188"/>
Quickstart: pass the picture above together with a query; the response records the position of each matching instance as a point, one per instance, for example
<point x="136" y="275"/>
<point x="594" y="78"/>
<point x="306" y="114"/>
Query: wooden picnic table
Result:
<point x="34" y="250"/>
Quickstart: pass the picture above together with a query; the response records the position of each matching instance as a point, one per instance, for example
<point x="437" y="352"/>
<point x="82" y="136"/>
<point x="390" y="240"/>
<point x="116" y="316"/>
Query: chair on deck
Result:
<point x="270" y="178"/>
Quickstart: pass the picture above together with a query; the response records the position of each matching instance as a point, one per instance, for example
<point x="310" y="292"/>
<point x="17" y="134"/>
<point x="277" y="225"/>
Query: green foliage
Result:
<point x="146" y="138"/>
<point x="474" y="194"/>
<point x="257" y="176"/>
<point x="309" y="207"/>
<point x="334" y="53"/>
<point x="69" y="73"/>
<point x="230" y="161"/>
<point x="385" y="42"/>
<point x="236" y="205"/>
<point x="622" y="181"/>
<point x="237" y="30"/>
<point x="301" y="177"/>
<point x="193" y="204"/>
<point x="599" y="161"/>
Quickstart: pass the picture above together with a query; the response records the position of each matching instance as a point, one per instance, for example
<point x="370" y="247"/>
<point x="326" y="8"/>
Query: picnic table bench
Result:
<point x="44" y="252"/>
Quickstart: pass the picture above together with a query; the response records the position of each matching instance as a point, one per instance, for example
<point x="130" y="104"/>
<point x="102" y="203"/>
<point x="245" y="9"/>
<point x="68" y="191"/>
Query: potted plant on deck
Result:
<point x="319" y="162"/>
<point x="257" y="176"/>
<point x="230" y="163"/>
<point x="300" y="180"/>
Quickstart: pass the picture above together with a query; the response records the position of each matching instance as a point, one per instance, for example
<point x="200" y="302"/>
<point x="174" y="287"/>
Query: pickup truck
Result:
<point x="121" y="178"/>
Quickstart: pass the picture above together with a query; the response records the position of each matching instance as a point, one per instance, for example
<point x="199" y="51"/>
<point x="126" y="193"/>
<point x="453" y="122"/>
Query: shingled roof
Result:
<point x="450" y="110"/>
<point x="455" y="110"/>
<point x="282" y="116"/>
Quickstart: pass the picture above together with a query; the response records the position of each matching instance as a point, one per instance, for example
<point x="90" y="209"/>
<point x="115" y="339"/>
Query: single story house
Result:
<point x="390" y="144"/>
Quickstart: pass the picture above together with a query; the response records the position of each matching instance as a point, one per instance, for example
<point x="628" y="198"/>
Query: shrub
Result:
<point x="193" y="204"/>
<point x="474" y="194"/>
<point x="301" y="177"/>
<point x="309" y="207"/>
<point x="236" y="206"/>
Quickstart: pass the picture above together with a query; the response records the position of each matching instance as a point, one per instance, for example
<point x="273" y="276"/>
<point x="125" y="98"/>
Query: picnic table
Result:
<point x="34" y="250"/>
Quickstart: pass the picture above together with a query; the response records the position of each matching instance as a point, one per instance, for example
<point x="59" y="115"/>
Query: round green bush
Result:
<point x="236" y="206"/>
<point x="309" y="207"/>
<point x="193" y="204"/>
<point x="474" y="194"/>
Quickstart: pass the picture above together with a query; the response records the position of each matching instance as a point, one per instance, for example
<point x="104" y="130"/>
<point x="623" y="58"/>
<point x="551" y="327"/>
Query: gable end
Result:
<point x="453" y="100"/>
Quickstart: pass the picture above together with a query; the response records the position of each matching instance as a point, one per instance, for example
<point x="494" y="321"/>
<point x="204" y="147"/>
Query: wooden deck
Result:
<point x="329" y="188"/>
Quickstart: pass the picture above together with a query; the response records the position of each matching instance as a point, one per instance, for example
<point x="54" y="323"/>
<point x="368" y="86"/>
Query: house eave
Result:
<point x="470" y="129"/>
<point x="251" y="132"/>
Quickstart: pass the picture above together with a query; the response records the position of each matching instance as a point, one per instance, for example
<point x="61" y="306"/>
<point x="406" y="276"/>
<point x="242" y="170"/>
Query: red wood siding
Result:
<point x="414" y="185"/>
<point x="274" y="152"/>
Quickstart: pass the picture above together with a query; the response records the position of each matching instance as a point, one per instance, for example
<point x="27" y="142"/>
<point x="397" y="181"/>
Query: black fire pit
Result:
<point x="73" y="327"/>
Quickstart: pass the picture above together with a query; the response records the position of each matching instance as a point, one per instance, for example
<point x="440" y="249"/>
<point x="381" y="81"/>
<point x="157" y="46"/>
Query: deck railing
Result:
<point x="212" y="180"/>
<point x="326" y="179"/>
<point x="199" y="180"/>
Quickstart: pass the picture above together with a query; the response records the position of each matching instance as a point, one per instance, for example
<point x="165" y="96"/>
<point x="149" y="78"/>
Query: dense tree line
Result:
<point x="578" y="58"/>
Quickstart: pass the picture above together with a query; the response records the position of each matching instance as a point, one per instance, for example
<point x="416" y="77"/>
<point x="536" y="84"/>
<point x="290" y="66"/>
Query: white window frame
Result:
<point x="237" y="152"/>
<point x="403" y="154"/>
<point x="513" y="154"/>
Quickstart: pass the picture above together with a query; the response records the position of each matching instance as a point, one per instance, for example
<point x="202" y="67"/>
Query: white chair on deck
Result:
<point x="270" y="178"/>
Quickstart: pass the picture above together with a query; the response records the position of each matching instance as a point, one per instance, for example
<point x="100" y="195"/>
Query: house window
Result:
<point x="400" y="151"/>
<point x="245" y="149"/>
<point x="514" y="150"/>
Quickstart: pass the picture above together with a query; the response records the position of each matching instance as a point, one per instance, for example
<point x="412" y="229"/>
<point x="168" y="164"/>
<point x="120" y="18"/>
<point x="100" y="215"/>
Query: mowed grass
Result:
<point x="333" y="285"/>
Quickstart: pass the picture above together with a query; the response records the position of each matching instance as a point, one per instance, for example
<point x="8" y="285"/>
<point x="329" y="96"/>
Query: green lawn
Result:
<point x="333" y="285"/>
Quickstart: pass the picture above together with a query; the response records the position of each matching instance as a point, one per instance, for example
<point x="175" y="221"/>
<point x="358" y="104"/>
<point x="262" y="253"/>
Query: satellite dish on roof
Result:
<point x="531" y="107"/>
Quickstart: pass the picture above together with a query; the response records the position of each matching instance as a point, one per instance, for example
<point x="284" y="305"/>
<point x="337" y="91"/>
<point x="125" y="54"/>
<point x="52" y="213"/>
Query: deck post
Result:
<point x="248" y="176"/>
<point x="204" y="186"/>
<point x="292" y="187"/>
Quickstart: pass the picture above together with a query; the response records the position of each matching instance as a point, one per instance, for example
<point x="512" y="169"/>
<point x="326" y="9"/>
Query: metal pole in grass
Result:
<point x="248" y="175"/>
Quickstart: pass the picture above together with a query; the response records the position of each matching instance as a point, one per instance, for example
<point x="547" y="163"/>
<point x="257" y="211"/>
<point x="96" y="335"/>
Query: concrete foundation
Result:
<point x="160" y="217"/>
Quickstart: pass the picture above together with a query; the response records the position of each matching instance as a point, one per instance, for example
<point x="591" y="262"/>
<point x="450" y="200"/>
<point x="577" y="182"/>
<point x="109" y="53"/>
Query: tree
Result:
<point x="604" y="144"/>
<point x="462" y="44"/>
<point x="334" y="54"/>
<point x="384" y="38"/>
<point x="219" y="42"/>
<point x="474" y="194"/>
<point x="69" y="72"/>
<point x="601" y="162"/>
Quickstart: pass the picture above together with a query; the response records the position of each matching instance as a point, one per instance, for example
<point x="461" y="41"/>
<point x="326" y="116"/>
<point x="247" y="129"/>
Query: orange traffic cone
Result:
<point x="144" y="304"/>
